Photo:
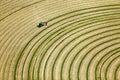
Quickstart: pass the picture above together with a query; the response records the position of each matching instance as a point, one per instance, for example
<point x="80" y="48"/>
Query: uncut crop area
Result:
<point x="59" y="39"/>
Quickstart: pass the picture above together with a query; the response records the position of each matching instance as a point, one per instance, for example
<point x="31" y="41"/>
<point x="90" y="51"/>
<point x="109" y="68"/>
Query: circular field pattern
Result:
<point x="81" y="40"/>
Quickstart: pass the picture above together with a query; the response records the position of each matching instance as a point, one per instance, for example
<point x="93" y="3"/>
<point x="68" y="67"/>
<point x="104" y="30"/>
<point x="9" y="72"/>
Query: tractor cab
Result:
<point x="41" y="24"/>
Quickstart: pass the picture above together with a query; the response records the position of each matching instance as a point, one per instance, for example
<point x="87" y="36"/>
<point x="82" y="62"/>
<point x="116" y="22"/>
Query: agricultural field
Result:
<point x="59" y="39"/>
